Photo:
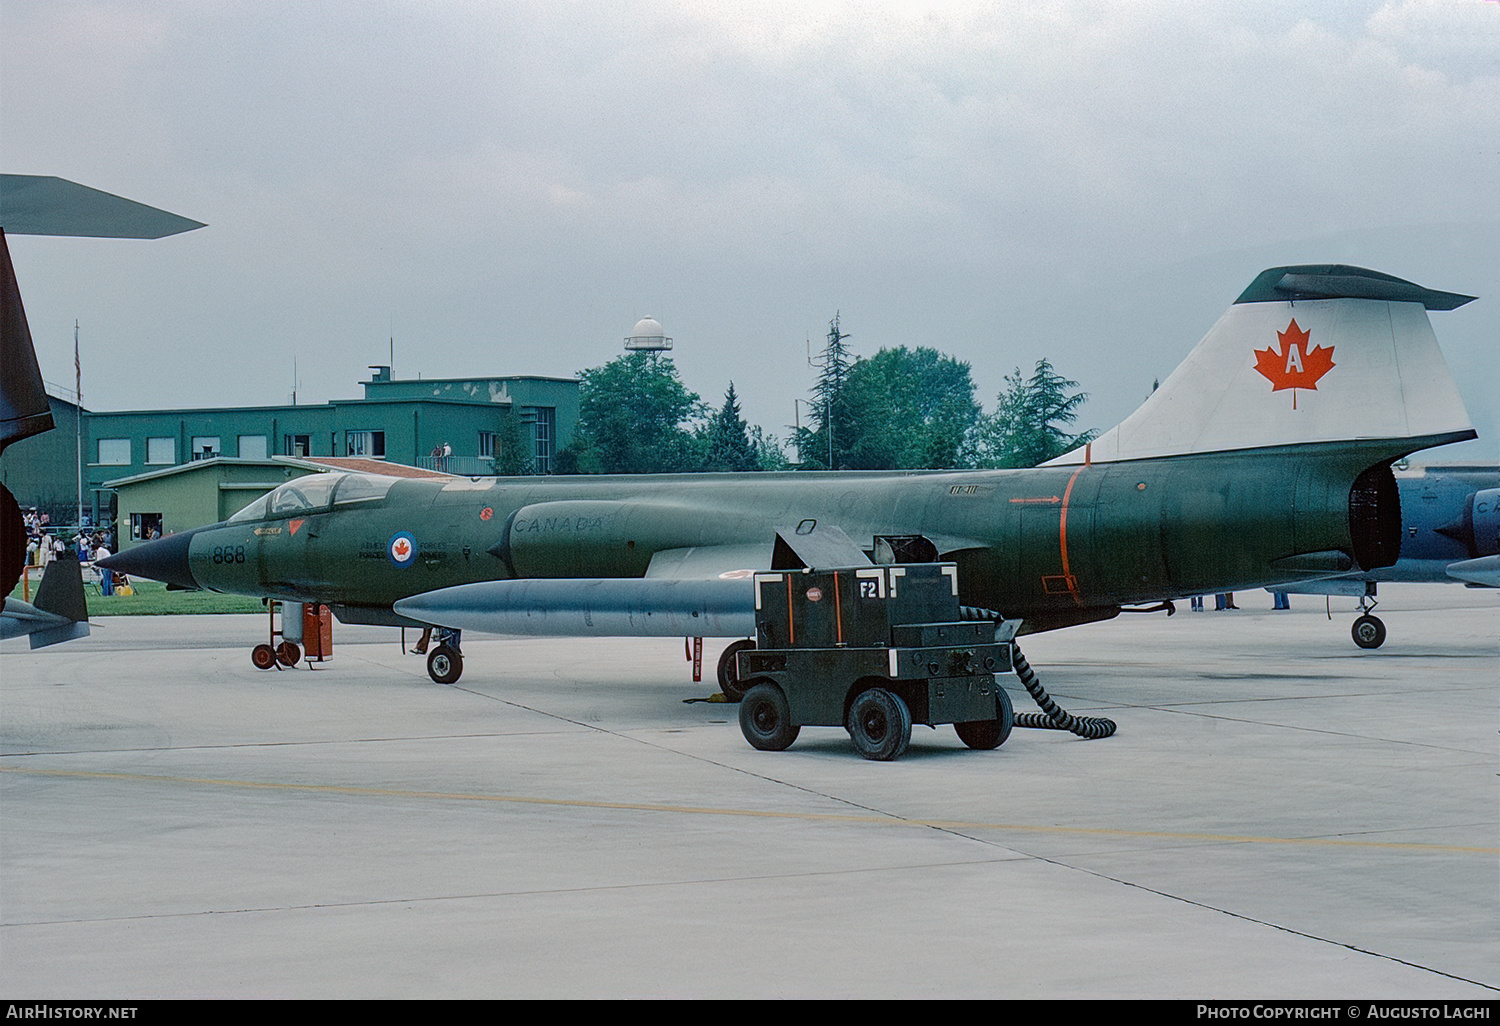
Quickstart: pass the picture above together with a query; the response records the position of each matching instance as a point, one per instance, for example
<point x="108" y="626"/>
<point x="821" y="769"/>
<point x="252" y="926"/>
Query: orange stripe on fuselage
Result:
<point x="1062" y="538"/>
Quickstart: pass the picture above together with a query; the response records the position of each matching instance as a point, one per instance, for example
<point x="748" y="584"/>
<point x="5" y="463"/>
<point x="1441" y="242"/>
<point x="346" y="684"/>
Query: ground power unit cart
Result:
<point x="873" y="649"/>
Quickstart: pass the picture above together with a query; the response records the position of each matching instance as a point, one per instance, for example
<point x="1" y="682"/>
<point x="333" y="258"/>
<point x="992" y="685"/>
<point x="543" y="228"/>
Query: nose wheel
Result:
<point x="1368" y="631"/>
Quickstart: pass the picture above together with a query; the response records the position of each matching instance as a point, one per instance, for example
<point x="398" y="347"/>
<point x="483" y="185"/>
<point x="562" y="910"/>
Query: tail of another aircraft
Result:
<point x="60" y="613"/>
<point x="1315" y="353"/>
<point x="44" y="205"/>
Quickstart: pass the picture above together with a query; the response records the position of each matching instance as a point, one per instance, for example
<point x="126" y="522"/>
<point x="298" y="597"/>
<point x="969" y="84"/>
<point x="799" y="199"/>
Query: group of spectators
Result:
<point x="44" y="545"/>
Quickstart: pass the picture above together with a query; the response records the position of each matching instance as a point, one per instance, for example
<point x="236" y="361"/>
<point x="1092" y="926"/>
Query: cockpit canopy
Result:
<point x="315" y="493"/>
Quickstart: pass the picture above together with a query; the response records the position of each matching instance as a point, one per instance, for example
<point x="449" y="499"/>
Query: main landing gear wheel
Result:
<point x="729" y="671"/>
<point x="987" y="734"/>
<point x="445" y="664"/>
<point x="1368" y="631"/>
<point x="288" y="654"/>
<point x="766" y="719"/>
<point x="879" y="724"/>
<point x="263" y="656"/>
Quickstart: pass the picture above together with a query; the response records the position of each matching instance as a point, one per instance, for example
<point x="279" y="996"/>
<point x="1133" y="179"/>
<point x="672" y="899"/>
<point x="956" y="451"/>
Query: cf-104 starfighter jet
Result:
<point x="1264" y="458"/>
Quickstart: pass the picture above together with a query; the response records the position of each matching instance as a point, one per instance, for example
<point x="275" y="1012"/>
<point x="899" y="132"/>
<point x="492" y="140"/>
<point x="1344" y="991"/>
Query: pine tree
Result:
<point x="1026" y="428"/>
<point x="727" y="439"/>
<point x="825" y="446"/>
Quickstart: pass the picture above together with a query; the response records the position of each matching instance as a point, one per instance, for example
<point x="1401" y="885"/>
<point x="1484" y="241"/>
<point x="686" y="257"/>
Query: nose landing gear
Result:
<point x="1368" y="631"/>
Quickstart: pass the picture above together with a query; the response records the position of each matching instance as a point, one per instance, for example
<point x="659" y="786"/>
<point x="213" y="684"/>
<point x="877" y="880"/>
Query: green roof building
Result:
<point x="470" y="426"/>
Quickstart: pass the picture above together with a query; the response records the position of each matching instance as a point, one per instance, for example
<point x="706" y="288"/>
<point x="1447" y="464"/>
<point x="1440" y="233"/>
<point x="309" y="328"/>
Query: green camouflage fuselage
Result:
<point x="1054" y="546"/>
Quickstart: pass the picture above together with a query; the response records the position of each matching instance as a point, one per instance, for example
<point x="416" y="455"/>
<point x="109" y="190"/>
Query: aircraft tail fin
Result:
<point x="60" y="612"/>
<point x="24" y="409"/>
<point x="1313" y="353"/>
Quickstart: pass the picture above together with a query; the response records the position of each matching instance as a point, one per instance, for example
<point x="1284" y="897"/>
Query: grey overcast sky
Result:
<point x="505" y="187"/>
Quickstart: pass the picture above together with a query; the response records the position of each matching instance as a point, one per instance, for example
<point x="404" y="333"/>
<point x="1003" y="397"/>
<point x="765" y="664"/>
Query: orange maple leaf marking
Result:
<point x="1295" y="366"/>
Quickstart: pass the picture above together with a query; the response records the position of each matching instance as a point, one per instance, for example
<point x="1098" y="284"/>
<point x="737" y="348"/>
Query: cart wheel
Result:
<point x="987" y="734"/>
<point x="879" y="724"/>
<point x="288" y="654"/>
<point x="445" y="664"/>
<point x="263" y="656"/>
<point x="729" y="670"/>
<point x="1368" y="631"/>
<point x="766" y="719"/>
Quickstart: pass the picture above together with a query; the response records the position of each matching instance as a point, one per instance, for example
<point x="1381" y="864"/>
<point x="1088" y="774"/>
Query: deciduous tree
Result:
<point x="632" y="418"/>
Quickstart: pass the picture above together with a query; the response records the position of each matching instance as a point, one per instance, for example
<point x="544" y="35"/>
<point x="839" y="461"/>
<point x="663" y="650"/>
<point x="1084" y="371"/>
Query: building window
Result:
<point x="544" y="433"/>
<point x="114" y="452"/>
<point x="365" y="443"/>
<point x="161" y="450"/>
<point x="252" y="447"/>
<point x="486" y="443"/>
<point x="299" y="445"/>
<point x="145" y="526"/>
<point x="205" y="447"/>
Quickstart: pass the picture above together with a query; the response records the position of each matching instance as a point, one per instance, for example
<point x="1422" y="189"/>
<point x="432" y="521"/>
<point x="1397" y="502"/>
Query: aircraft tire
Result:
<point x="288" y="653"/>
<point x="263" y="656"/>
<point x="766" y="719"/>
<point x="984" y="735"/>
<point x="879" y="724"/>
<point x="729" y="680"/>
<point x="445" y="664"/>
<point x="1368" y="631"/>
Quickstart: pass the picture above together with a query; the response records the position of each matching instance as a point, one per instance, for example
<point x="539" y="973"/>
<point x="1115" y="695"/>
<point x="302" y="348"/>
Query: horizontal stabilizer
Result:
<point x="606" y="607"/>
<point x="1339" y="281"/>
<point x="46" y="205"/>
<point x="57" y="635"/>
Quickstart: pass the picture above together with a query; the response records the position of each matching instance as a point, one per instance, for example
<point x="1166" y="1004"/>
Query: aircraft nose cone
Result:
<point x="165" y="559"/>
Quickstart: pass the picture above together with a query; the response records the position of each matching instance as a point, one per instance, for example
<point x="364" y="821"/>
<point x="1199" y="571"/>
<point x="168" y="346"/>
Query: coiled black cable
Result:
<point x="1090" y="728"/>
<point x="1052" y="716"/>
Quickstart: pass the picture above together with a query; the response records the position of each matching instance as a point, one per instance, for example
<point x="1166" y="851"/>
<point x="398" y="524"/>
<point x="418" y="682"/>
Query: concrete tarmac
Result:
<point x="1281" y="815"/>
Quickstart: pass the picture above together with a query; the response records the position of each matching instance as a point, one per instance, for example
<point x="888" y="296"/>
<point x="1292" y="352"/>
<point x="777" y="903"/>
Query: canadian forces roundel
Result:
<point x="402" y="548"/>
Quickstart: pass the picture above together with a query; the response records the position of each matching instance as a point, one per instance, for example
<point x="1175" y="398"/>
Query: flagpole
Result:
<point x="78" y="419"/>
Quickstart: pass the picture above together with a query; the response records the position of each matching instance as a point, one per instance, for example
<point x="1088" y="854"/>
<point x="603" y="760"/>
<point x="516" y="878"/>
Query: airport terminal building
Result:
<point x="470" y="426"/>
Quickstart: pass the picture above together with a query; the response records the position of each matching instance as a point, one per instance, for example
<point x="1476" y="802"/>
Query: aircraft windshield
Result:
<point x="255" y="511"/>
<point x="303" y="494"/>
<point x="313" y="492"/>
<point x="362" y="488"/>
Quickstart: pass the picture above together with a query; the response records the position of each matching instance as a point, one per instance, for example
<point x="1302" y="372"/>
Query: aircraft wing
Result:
<point x="710" y="562"/>
<point x="704" y="591"/>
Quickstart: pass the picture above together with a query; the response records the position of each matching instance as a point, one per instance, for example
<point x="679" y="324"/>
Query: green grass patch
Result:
<point x="152" y="598"/>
